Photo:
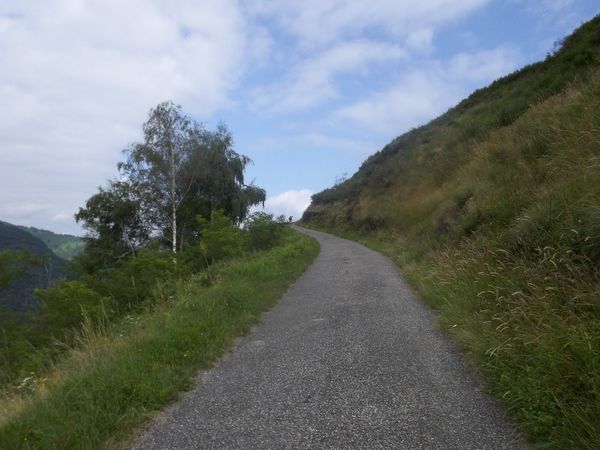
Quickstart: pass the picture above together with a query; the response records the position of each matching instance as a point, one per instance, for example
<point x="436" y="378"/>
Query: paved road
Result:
<point x="349" y="358"/>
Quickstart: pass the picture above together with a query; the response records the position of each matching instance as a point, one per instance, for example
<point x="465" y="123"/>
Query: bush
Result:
<point x="64" y="308"/>
<point x="262" y="232"/>
<point x="220" y="238"/>
<point x="133" y="281"/>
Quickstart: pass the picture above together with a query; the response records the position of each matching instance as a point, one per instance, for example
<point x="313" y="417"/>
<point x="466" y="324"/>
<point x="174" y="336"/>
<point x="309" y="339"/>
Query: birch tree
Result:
<point x="179" y="171"/>
<point x="159" y="167"/>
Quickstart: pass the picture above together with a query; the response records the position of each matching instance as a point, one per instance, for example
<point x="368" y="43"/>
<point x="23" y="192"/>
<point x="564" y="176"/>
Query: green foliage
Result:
<point x="132" y="282"/>
<point x="447" y="142"/>
<point x="111" y="384"/>
<point x="222" y="178"/>
<point x="220" y="238"/>
<point x="262" y="232"/>
<point x="143" y="240"/>
<point x="492" y="211"/>
<point x="164" y="166"/>
<point x="178" y="172"/>
<point x="13" y="263"/>
<point x="25" y="264"/>
<point x="18" y="270"/>
<point x="63" y="309"/>
<point x="13" y="237"/>
<point x="31" y="343"/>
<point x="64" y="246"/>
<point x="116" y="228"/>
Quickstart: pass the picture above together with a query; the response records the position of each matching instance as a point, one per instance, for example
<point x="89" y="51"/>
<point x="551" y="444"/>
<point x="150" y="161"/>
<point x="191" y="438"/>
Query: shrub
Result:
<point x="262" y="231"/>
<point x="64" y="308"/>
<point x="220" y="238"/>
<point x="133" y="281"/>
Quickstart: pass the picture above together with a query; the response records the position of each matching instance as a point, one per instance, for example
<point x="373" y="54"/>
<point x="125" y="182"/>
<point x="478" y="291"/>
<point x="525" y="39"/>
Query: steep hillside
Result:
<point x="64" y="246"/>
<point x="13" y="237"/>
<point x="492" y="211"/>
<point x="27" y="263"/>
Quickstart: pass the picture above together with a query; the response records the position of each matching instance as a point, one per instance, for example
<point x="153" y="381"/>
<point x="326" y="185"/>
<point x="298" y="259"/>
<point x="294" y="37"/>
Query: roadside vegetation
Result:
<point x="116" y="374"/>
<point x="492" y="211"/>
<point x="175" y="266"/>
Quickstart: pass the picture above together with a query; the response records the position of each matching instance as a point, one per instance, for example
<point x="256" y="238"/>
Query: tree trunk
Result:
<point x="173" y="200"/>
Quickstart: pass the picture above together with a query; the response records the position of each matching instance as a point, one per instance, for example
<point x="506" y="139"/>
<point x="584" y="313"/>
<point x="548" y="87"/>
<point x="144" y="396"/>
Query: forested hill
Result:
<point x="64" y="246"/>
<point x="13" y="237"/>
<point x="26" y="263"/>
<point x="492" y="211"/>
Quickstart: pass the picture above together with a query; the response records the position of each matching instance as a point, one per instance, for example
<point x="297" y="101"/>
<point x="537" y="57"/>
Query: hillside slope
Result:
<point x="33" y="264"/>
<point x="65" y="246"/>
<point x="492" y="211"/>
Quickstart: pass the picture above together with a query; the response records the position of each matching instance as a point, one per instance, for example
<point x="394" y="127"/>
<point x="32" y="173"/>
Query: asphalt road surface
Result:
<point x="349" y="358"/>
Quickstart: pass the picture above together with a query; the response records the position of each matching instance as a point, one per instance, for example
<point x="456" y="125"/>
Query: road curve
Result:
<point x="349" y="358"/>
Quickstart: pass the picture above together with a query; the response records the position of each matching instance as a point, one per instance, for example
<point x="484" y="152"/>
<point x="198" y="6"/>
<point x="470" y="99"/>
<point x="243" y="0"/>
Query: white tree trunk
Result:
<point x="173" y="200"/>
<point x="174" y="220"/>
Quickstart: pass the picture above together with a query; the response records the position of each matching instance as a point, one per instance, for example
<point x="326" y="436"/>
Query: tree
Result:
<point x="159" y="167"/>
<point x="13" y="263"/>
<point x="220" y="184"/>
<point x="116" y="228"/>
<point x="220" y="237"/>
<point x="178" y="172"/>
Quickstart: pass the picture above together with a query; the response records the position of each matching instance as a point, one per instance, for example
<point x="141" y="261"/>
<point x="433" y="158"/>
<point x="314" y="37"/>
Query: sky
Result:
<point x="309" y="89"/>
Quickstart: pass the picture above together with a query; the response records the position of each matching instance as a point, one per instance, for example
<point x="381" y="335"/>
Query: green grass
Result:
<point x="117" y="378"/>
<point x="531" y="329"/>
<point x="495" y="219"/>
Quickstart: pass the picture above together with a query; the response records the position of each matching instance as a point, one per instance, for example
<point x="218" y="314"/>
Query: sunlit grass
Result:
<point x="117" y="377"/>
<point x="499" y="230"/>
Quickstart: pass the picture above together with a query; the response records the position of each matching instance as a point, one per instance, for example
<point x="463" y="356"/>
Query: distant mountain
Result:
<point x="31" y="262"/>
<point x="64" y="246"/>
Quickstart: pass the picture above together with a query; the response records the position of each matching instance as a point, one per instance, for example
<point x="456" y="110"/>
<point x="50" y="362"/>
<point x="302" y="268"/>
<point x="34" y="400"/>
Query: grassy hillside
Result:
<point x="65" y="246"/>
<point x="492" y="211"/>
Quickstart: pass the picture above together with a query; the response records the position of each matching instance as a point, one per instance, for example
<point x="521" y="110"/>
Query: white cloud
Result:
<point x="416" y="97"/>
<point x="345" y="38"/>
<point x="321" y="22"/>
<point x="77" y="81"/>
<point x="483" y="66"/>
<point x="422" y="94"/>
<point x="420" y="40"/>
<point x="78" y="78"/>
<point x="289" y="203"/>
<point x="312" y="81"/>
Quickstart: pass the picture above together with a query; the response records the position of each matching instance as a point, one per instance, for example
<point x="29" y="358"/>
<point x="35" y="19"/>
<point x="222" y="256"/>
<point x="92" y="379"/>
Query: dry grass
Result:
<point x="500" y="232"/>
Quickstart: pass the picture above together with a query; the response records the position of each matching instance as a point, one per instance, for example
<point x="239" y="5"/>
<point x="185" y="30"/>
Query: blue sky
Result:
<point x="309" y="89"/>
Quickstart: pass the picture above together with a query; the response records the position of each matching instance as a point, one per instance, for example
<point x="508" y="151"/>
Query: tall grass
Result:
<point x="533" y="328"/>
<point x="500" y="232"/>
<point x="116" y="378"/>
